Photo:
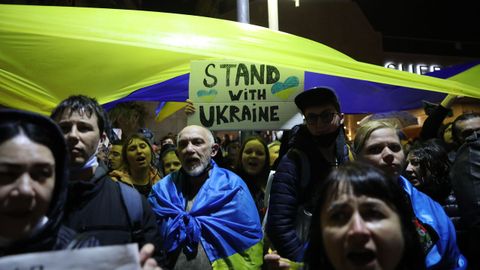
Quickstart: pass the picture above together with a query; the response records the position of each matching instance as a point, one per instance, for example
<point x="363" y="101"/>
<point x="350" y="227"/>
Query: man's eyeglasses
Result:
<point x="326" y="117"/>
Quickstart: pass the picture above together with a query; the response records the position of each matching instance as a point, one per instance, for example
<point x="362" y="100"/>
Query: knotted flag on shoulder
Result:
<point x="223" y="218"/>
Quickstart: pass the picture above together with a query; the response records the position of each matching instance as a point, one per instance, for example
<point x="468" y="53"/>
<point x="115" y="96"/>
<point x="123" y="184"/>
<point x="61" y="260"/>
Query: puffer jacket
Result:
<point x="287" y="196"/>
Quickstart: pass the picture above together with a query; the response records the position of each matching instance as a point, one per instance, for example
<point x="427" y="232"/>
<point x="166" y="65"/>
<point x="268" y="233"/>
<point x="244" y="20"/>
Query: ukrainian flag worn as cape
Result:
<point x="445" y="253"/>
<point x="223" y="219"/>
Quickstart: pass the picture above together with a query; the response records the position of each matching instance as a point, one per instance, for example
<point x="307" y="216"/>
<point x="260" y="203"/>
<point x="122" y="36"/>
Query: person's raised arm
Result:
<point x="434" y="121"/>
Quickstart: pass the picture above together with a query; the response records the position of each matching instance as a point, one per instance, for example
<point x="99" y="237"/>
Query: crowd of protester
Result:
<point x="193" y="201"/>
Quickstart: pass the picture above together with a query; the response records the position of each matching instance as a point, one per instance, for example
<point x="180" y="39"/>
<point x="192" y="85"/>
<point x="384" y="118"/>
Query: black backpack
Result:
<point x="465" y="177"/>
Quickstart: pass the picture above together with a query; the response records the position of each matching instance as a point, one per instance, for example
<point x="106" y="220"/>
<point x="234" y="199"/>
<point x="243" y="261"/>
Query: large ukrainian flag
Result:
<point x="50" y="53"/>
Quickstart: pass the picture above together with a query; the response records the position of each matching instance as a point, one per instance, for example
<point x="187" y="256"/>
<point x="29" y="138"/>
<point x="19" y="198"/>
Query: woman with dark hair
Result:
<point x="253" y="166"/>
<point x="362" y="221"/>
<point x="428" y="168"/>
<point x="33" y="185"/>
<point x="139" y="159"/>
<point x="168" y="139"/>
<point x="33" y="189"/>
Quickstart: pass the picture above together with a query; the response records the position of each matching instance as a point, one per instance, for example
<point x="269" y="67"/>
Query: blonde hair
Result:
<point x="363" y="133"/>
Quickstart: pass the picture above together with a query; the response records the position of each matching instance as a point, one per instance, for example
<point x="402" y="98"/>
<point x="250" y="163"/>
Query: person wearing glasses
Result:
<point x="316" y="148"/>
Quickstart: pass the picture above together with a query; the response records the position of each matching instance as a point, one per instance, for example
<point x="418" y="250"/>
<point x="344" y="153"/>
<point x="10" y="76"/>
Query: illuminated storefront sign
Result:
<point x="412" y="68"/>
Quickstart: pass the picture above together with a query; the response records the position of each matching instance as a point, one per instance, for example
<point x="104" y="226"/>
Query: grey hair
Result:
<point x="211" y="139"/>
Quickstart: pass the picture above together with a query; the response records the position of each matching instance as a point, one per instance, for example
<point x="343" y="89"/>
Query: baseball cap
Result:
<point x="317" y="96"/>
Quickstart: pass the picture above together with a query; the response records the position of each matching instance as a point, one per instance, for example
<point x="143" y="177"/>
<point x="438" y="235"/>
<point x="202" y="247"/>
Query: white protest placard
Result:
<point x="119" y="257"/>
<point x="233" y="95"/>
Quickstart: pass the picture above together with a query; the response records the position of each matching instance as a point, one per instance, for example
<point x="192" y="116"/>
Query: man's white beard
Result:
<point x="196" y="170"/>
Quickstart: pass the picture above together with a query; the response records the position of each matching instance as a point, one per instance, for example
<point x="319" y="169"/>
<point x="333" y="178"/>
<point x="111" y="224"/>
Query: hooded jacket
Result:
<point x="51" y="235"/>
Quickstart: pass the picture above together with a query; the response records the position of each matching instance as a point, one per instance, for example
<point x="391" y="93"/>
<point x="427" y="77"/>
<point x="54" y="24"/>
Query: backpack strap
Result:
<point x="266" y="199"/>
<point x="268" y="187"/>
<point x="302" y="162"/>
<point x="132" y="201"/>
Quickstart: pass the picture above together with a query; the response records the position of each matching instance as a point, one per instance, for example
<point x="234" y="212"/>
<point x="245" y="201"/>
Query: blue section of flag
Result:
<point x="223" y="217"/>
<point x="356" y="96"/>
<point x="175" y="89"/>
<point x="453" y="70"/>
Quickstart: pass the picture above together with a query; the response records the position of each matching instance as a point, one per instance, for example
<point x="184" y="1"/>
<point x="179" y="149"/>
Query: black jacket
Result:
<point x="286" y="195"/>
<point x="465" y="177"/>
<point x="96" y="208"/>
